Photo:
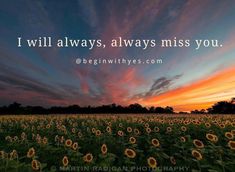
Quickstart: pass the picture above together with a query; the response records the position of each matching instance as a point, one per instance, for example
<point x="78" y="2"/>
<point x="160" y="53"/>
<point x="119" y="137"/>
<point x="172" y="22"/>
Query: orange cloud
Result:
<point x="200" y="94"/>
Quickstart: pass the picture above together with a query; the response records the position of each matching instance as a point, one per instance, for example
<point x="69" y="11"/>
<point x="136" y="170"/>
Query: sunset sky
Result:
<point x="188" y="79"/>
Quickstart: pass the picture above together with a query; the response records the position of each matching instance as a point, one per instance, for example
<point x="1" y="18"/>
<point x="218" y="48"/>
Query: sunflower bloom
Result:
<point x="148" y="130"/>
<point x="44" y="140"/>
<point x="120" y="133"/>
<point x="88" y="158"/>
<point x="168" y="129"/>
<point x="35" y="164"/>
<point x="229" y="135"/>
<point x="152" y="162"/>
<point x="156" y="129"/>
<point x="98" y="133"/>
<point x="65" y="161"/>
<point x="68" y="143"/>
<point x="93" y="130"/>
<point x="155" y="142"/>
<point x="196" y="154"/>
<point x="211" y="137"/>
<point x="108" y="129"/>
<point x="75" y="146"/>
<point x="136" y="131"/>
<point x="31" y="153"/>
<point x="129" y="129"/>
<point x="130" y="153"/>
<point x="13" y="154"/>
<point x="104" y="149"/>
<point x="183" y="128"/>
<point x="231" y="144"/>
<point x="198" y="143"/>
<point x="2" y="154"/>
<point x="172" y="160"/>
<point x="132" y="140"/>
<point x="208" y="125"/>
<point x="182" y="139"/>
<point x="233" y="132"/>
<point x="222" y="126"/>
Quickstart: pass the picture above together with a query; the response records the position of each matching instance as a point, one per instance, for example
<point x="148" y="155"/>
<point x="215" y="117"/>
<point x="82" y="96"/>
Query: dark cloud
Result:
<point x="159" y="86"/>
<point x="26" y="83"/>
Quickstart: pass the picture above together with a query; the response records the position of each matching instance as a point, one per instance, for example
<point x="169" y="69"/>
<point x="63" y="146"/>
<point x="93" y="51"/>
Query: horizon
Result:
<point x="221" y="107"/>
<point x="188" y="79"/>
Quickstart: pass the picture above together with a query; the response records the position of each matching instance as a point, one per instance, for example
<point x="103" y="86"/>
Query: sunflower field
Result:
<point x="117" y="143"/>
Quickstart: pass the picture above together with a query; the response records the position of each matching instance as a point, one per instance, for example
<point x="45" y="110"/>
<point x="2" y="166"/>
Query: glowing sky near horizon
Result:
<point x="188" y="79"/>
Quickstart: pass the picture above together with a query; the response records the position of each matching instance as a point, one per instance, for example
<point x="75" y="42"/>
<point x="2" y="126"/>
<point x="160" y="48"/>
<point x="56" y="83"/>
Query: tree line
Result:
<point x="223" y="107"/>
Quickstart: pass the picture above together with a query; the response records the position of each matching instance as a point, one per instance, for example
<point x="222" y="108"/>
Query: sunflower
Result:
<point x="23" y="136"/>
<point x="48" y="126"/>
<point x="155" y="142"/>
<point x="73" y="130"/>
<point x="79" y="134"/>
<point x="233" y="132"/>
<point x="35" y="164"/>
<point x="222" y="126"/>
<point x="229" y="135"/>
<point x="172" y="160"/>
<point x="156" y="129"/>
<point x="98" y="133"/>
<point x="183" y="128"/>
<point x="8" y="138"/>
<point x="2" y="154"/>
<point x="108" y="129"/>
<point x="93" y="130"/>
<point x="104" y="149"/>
<point x="15" y="138"/>
<point x="182" y="139"/>
<point x="31" y="153"/>
<point x="198" y="143"/>
<point x="231" y="144"/>
<point x="168" y="129"/>
<point x="152" y="162"/>
<point x="146" y="125"/>
<point x="120" y="133"/>
<point x="148" y="130"/>
<point x="13" y="154"/>
<point x="88" y="158"/>
<point x="136" y="131"/>
<point x="208" y="125"/>
<point x="129" y="129"/>
<point x="75" y="146"/>
<point x="68" y="143"/>
<point x="132" y="140"/>
<point x="65" y="161"/>
<point x="211" y="137"/>
<point x="130" y="153"/>
<point x="196" y="154"/>
<point x="44" y="140"/>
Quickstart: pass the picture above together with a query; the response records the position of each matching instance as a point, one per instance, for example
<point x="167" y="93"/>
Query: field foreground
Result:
<point x="117" y="143"/>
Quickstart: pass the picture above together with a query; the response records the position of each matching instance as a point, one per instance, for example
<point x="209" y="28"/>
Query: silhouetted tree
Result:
<point x="181" y="112"/>
<point x="152" y="109"/>
<point x="202" y="111"/>
<point x="169" y="109"/>
<point x="222" y="107"/>
<point x="233" y="100"/>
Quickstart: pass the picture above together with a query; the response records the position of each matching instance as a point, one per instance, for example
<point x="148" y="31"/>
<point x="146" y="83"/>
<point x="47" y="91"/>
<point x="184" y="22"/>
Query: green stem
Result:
<point x="199" y="166"/>
<point x="222" y="163"/>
